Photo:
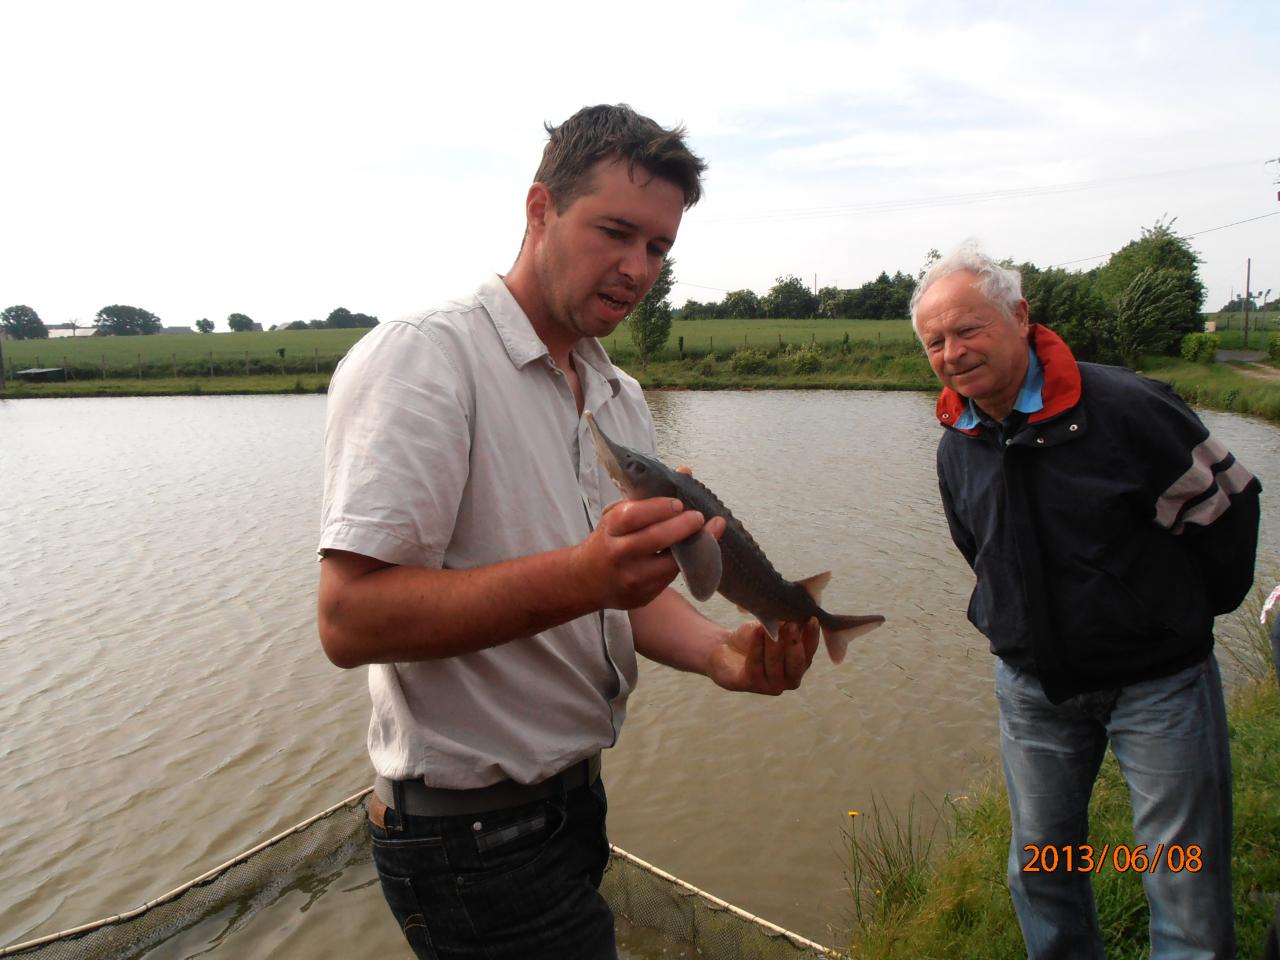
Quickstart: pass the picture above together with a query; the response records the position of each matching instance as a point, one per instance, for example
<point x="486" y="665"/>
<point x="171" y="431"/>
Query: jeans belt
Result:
<point x="423" y="801"/>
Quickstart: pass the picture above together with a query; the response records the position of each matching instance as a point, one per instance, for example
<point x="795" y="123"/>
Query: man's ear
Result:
<point x="1022" y="313"/>
<point x="538" y="205"/>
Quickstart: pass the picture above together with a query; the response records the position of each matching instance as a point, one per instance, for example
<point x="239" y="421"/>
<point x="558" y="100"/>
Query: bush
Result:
<point x="806" y="361"/>
<point x="746" y="360"/>
<point x="1273" y="346"/>
<point x="1200" y="347"/>
<point x="708" y="366"/>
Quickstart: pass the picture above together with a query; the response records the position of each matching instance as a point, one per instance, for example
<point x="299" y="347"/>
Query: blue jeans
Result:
<point x="1170" y="738"/>
<point x="515" y="883"/>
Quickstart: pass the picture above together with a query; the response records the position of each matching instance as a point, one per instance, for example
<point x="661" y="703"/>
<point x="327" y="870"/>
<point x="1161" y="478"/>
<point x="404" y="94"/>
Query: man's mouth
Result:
<point x="615" y="302"/>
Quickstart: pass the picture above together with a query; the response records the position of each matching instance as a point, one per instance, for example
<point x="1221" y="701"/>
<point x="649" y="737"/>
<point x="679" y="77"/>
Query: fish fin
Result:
<point x="838" y="631"/>
<point x="771" y="628"/>
<point x="814" y="585"/>
<point x="698" y="558"/>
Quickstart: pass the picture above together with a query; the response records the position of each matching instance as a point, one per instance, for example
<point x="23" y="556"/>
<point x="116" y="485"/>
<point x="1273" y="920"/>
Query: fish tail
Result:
<point x="838" y="631"/>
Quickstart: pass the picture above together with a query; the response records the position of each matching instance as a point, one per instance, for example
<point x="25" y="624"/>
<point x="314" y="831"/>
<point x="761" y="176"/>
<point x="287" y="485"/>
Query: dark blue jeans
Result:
<point x="515" y="883"/>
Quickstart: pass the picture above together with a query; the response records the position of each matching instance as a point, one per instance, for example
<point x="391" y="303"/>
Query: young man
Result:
<point x="468" y="558"/>
<point x="1106" y="529"/>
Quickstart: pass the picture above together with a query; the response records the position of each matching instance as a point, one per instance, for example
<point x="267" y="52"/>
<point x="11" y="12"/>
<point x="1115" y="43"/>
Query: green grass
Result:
<point x="171" y="386"/>
<point x="788" y="355"/>
<point x="1219" y="386"/>
<point x="957" y="906"/>
<point x="191" y="354"/>
<point x="722" y="337"/>
<point x="1230" y="329"/>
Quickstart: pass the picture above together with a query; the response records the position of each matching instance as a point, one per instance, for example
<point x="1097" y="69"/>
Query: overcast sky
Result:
<point x="284" y="159"/>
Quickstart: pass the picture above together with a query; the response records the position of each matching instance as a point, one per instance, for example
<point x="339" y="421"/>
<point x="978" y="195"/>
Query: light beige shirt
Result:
<point x="453" y="441"/>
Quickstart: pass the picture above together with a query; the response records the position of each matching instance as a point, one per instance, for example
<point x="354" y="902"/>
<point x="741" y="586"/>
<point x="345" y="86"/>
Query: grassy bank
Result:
<point x="700" y="355"/>
<point x="957" y="907"/>
<point x="1219" y="386"/>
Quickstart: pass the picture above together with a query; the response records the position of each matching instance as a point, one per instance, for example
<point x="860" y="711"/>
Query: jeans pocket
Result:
<point x="519" y="841"/>
<point x="399" y="861"/>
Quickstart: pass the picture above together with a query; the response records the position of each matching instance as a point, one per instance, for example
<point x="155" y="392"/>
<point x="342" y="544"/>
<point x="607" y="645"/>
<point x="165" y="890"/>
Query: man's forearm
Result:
<point x="670" y="631"/>
<point x="395" y="614"/>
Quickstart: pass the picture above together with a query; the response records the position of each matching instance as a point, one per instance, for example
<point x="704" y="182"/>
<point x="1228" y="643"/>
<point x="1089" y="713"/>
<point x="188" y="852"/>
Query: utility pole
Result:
<point x="1248" y="294"/>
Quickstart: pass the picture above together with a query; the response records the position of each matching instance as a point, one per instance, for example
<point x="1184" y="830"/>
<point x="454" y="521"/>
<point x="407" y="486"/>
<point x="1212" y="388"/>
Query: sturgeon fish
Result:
<point x="736" y="567"/>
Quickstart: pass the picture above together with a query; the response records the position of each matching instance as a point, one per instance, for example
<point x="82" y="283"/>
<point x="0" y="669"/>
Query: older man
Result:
<point x="1106" y="529"/>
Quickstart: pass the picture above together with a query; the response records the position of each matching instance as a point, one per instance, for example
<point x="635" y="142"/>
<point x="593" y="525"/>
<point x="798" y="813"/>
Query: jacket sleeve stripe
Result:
<point x="1194" y="483"/>
<point x="1204" y="492"/>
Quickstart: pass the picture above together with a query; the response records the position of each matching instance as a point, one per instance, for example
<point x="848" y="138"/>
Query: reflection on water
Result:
<point x="166" y="705"/>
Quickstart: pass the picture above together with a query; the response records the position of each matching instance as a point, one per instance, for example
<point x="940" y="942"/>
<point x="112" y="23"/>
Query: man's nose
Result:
<point x="952" y="350"/>
<point x="635" y="264"/>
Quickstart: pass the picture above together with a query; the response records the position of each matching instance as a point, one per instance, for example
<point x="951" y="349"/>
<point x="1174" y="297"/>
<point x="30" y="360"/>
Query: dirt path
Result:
<point x="1258" y="371"/>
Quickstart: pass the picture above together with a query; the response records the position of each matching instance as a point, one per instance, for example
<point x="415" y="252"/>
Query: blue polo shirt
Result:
<point x="1030" y="397"/>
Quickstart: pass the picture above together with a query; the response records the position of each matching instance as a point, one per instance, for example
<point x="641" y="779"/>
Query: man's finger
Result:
<point x="775" y="662"/>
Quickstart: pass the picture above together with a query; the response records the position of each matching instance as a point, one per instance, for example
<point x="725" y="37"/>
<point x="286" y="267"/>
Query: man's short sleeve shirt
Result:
<point x="453" y="441"/>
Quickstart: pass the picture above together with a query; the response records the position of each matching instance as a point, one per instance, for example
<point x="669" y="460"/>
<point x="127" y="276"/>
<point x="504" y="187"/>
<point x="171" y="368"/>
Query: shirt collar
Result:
<point x="522" y="341"/>
<point x="1030" y="397"/>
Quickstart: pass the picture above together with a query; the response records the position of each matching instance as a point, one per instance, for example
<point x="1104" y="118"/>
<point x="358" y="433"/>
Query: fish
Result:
<point x="735" y="566"/>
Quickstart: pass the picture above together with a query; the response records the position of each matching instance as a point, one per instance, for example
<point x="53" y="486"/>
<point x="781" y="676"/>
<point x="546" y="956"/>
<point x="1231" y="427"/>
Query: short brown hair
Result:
<point x="603" y="132"/>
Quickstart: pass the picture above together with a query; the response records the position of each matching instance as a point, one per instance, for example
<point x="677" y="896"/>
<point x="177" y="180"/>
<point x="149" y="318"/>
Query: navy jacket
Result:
<point x="1106" y="530"/>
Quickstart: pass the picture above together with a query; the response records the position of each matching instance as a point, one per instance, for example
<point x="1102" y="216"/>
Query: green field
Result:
<point x="230" y="354"/>
<point x="722" y="337"/>
<point x="716" y="355"/>
<point x="312" y="351"/>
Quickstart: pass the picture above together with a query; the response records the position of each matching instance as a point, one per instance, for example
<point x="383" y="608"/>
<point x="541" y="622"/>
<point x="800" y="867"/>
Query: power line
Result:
<point x="1065" y="263"/>
<point x="1184" y="236"/>
<point x="958" y="199"/>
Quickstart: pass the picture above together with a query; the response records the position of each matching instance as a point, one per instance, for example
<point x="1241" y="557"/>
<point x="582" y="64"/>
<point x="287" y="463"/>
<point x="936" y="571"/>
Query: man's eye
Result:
<point x="613" y="234"/>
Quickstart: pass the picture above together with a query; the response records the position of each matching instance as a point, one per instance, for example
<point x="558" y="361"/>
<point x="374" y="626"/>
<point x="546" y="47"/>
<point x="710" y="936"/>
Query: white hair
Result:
<point x="1001" y="285"/>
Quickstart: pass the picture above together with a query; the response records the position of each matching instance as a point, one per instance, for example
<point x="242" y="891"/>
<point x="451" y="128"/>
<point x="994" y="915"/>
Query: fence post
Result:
<point x="66" y="371"/>
<point x="104" y="366"/>
<point x="682" y="348"/>
<point x="139" y="366"/>
<point x="211" y="363"/>
<point x="317" y="360"/>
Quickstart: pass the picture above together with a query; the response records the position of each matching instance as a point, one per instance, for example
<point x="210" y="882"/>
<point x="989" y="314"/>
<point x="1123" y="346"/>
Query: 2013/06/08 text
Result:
<point x="1084" y="858"/>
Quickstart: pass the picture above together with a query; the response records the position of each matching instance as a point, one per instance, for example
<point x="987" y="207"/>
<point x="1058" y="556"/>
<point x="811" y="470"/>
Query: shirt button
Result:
<point x="477" y="826"/>
<point x="1039" y="439"/>
<point x="1073" y="428"/>
<point x="1009" y="442"/>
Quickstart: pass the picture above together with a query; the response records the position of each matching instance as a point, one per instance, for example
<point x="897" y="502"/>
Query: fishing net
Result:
<point x="658" y="914"/>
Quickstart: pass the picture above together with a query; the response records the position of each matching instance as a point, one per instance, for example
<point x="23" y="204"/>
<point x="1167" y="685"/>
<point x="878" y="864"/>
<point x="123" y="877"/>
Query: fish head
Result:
<point x="636" y="476"/>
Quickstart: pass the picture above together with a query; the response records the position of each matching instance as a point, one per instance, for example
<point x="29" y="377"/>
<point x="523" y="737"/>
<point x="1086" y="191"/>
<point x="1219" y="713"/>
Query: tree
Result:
<point x="1159" y="248"/>
<point x="296" y="325"/>
<point x="1141" y="323"/>
<point x="124" y="321"/>
<point x="23" y="323"/>
<point x="342" y="318"/>
<point x="789" y="297"/>
<point x="930" y="258"/>
<point x="239" y="323"/>
<point x="650" y="321"/>
<point x="741" y="305"/>
<point x="204" y="325"/>
<point x="1069" y="303"/>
